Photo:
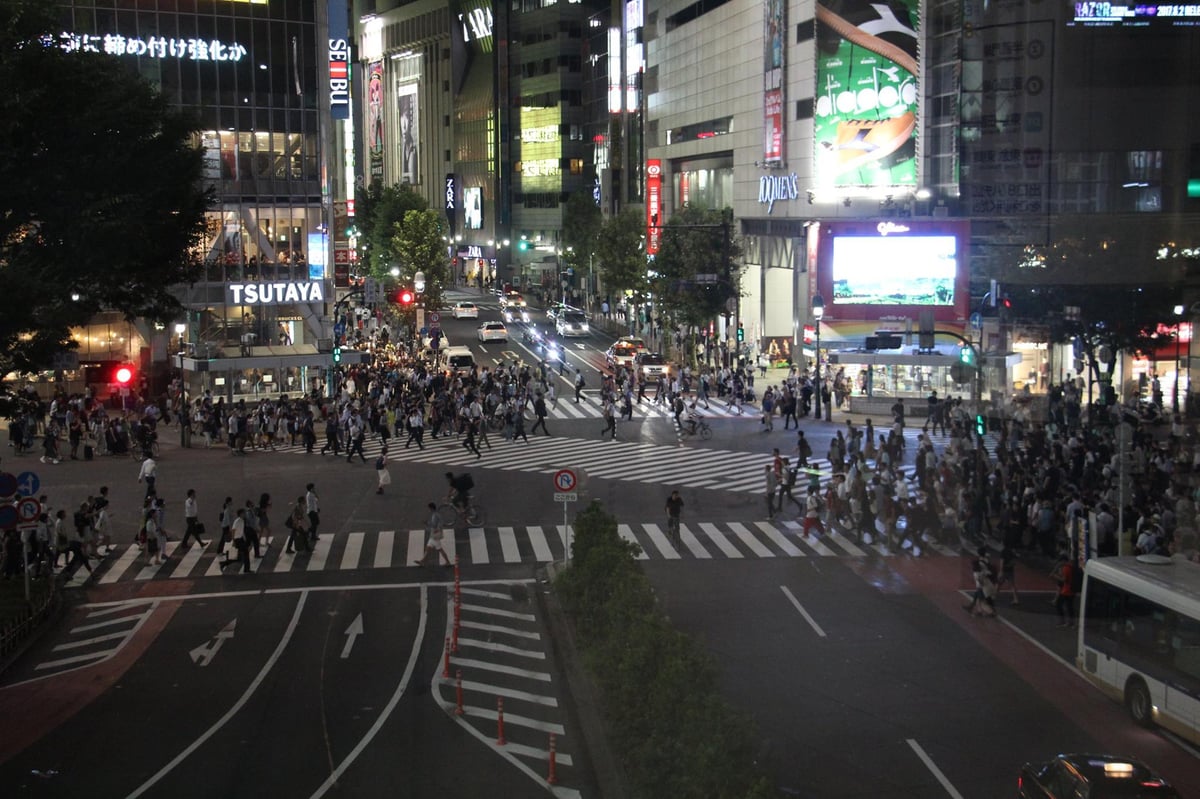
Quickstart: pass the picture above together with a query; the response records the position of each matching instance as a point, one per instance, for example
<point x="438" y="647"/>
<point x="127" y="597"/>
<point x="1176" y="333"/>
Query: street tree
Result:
<point x="417" y="239"/>
<point x="378" y="213"/>
<point x="621" y="255"/>
<point x="1103" y="321"/>
<point x="695" y="275"/>
<point x="101" y="200"/>
<point x="582" y="222"/>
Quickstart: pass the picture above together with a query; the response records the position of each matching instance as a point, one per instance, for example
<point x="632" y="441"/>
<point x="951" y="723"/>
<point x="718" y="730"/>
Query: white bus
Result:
<point x="1139" y="638"/>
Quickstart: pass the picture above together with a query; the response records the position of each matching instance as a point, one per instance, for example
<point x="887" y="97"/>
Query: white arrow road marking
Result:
<point x="352" y="632"/>
<point x="204" y="654"/>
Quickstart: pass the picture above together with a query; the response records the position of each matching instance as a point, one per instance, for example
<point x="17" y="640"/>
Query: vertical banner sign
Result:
<point x="865" y="126"/>
<point x="653" y="205"/>
<point x="773" y="31"/>
<point x="410" y="143"/>
<point x="339" y="61"/>
<point x="375" y="119"/>
<point x="451" y="199"/>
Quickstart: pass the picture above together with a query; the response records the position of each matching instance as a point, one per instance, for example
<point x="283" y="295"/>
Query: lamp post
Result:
<point x="185" y="411"/>
<point x="818" y="311"/>
<point x="1178" y="336"/>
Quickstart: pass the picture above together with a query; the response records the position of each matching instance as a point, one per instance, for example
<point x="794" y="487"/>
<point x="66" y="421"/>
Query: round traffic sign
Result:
<point x="28" y="509"/>
<point x="434" y="318"/>
<point x="565" y="480"/>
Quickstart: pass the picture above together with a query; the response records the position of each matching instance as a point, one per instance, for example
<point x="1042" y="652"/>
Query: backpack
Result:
<point x="467" y="482"/>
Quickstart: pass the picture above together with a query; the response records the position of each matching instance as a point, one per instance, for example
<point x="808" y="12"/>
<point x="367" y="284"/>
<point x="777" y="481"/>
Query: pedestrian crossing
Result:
<point x="484" y="546"/>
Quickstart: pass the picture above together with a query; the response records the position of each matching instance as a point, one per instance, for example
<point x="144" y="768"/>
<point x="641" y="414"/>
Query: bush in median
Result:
<point x="674" y="731"/>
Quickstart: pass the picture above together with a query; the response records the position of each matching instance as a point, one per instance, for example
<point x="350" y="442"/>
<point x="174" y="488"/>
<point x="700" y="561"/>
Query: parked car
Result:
<point x="1093" y="776"/>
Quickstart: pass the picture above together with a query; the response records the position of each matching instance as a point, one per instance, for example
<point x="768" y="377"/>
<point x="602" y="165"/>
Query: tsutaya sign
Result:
<point x="275" y="293"/>
<point x="777" y="187"/>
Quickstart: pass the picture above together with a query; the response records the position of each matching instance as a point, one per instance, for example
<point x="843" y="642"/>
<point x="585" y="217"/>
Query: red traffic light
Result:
<point x="124" y="374"/>
<point x="405" y="296"/>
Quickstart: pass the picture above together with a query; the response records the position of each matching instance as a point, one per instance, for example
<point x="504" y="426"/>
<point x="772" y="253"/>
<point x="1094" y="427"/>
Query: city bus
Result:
<point x="1139" y="638"/>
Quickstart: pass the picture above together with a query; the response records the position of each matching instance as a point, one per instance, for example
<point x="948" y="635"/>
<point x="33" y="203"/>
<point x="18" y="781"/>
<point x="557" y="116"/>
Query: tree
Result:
<point x="695" y="271"/>
<point x="621" y="254"/>
<point x="380" y="210"/>
<point x="418" y="240"/>
<point x="582" y="222"/>
<point x="100" y="193"/>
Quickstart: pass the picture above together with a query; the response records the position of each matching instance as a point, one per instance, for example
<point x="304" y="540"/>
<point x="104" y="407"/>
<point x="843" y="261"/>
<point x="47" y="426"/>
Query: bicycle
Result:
<point x="472" y="516"/>
<point x="702" y="429"/>
<point x="673" y="530"/>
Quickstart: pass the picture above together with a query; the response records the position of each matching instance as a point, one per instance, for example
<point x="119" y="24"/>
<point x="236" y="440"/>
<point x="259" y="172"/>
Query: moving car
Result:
<point x="557" y="309"/>
<point x="492" y="331"/>
<point x="572" y="323"/>
<point x="652" y="365"/>
<point x="1093" y="776"/>
<point x="466" y="310"/>
<point x="459" y="360"/>
<point x="621" y="354"/>
<point x="512" y="299"/>
<point x="638" y="344"/>
<point x="512" y="314"/>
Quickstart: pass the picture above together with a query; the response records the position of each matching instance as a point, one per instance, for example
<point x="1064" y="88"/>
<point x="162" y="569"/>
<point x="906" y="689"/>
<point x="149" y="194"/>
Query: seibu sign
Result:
<point x="281" y="293"/>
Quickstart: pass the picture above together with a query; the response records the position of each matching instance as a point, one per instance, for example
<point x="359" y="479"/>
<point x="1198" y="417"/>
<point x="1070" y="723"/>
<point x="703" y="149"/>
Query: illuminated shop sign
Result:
<point x="152" y="47"/>
<point x="547" y="133"/>
<point x="477" y="26"/>
<point x="339" y="61"/>
<point x="777" y="187"/>
<point x="653" y="204"/>
<point x="274" y="293"/>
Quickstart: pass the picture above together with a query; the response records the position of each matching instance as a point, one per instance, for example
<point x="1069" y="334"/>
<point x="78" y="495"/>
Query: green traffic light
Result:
<point x="980" y="425"/>
<point x="337" y="354"/>
<point x="522" y="245"/>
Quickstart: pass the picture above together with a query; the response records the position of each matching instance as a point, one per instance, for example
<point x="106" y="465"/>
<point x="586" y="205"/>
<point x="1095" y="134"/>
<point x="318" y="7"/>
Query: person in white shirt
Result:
<point x="313" y="507"/>
<point x="191" y="518"/>
<point x="240" y="543"/>
<point x="148" y="474"/>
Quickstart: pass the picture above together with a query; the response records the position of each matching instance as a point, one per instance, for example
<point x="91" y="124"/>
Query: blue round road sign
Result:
<point x="28" y="484"/>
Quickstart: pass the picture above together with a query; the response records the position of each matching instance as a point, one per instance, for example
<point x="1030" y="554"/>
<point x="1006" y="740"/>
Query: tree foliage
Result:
<point x="100" y="192"/>
<point x="378" y="213"/>
<point x="621" y="252"/>
<point x="696" y="242"/>
<point x="417" y="239"/>
<point x="582" y="222"/>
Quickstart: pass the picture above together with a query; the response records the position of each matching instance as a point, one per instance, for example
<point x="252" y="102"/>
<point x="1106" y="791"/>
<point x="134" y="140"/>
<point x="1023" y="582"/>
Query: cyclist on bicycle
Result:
<point x="460" y="489"/>
<point x="674" y="509"/>
<point x="693" y="418"/>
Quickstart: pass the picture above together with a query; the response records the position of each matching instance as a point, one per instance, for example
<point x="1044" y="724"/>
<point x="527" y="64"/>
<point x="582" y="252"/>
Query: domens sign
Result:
<point x="282" y="293"/>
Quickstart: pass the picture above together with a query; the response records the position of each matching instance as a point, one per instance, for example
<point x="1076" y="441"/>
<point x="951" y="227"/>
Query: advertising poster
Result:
<point x="406" y="108"/>
<point x="654" y="220"/>
<point x="472" y="207"/>
<point x="773" y="32"/>
<point x="375" y="119"/>
<point x="865" y="125"/>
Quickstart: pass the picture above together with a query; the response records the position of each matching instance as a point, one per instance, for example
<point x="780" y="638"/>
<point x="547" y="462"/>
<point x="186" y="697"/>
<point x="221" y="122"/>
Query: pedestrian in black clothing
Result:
<point x="579" y="384"/>
<point x="469" y="442"/>
<point x="357" y="445"/>
<point x="519" y="426"/>
<point x="539" y="410"/>
<point x="331" y="436"/>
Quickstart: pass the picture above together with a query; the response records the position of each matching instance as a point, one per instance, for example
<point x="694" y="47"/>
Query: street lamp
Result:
<point x="1178" y="336"/>
<point x="818" y="311"/>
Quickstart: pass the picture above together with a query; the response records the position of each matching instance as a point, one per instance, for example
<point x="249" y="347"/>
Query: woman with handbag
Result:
<point x="381" y="471"/>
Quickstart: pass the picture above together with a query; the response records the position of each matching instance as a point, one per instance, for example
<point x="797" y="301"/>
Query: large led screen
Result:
<point x="877" y="270"/>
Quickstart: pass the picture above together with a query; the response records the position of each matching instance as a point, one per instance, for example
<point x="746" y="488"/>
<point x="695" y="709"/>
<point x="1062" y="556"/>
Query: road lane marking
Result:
<point x="535" y="753"/>
<point x="120" y="565"/>
<point x="541" y="549"/>
<point x="236" y="707"/>
<point x="692" y="543"/>
<point x="116" y="608"/>
<point x="383" y="549"/>
<point x="122" y="620"/>
<point x="319" y="554"/>
<point x="485" y="594"/>
<point x="479" y="551"/>
<point x="508" y="545"/>
<point x="565" y="535"/>
<point x="50" y="664"/>
<point x="497" y="628"/>
<point x="189" y="561"/>
<point x="626" y="533"/>
<point x="847" y="544"/>
<point x="354" y="546"/>
<point x="714" y="535"/>
<point x="937" y="772"/>
<point x="99" y="639"/>
<point x="484" y="665"/>
<point x="812" y="622"/>
<point x="812" y="541"/>
<point x="416" y="547"/>
<point x="510" y="693"/>
<point x="490" y="646"/>
<point x="508" y="614"/>
<point x="512" y="718"/>
<point x="332" y="779"/>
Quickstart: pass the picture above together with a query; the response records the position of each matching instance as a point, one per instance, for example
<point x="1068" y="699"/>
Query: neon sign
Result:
<point x="158" y="47"/>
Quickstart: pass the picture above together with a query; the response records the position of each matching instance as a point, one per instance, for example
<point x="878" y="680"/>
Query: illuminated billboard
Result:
<point x="865" y="124"/>
<point x="871" y="270"/>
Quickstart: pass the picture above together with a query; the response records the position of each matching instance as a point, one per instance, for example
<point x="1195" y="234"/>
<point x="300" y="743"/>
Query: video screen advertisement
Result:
<point x="882" y="273"/>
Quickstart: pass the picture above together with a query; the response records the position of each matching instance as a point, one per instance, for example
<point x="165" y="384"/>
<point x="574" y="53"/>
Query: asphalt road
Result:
<point x="864" y="675"/>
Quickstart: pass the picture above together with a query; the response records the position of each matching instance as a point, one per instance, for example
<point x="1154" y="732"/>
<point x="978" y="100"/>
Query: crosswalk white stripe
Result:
<point x="284" y="564"/>
<point x="692" y="543"/>
<point x="812" y="541"/>
<point x="847" y="544"/>
<point x="189" y="561"/>
<point x="479" y="550"/>
<point x="416" y="547"/>
<point x="626" y="533"/>
<point x="508" y="545"/>
<point x="383" y="549"/>
<point x="661" y="541"/>
<point x="751" y="543"/>
<point x="354" y="546"/>
<point x="120" y="566"/>
<point x="779" y="539"/>
<point x="320" y="553"/>
<point x="715" y="535"/>
<point x="541" y="549"/>
<point x="152" y="569"/>
<point x="565" y="536"/>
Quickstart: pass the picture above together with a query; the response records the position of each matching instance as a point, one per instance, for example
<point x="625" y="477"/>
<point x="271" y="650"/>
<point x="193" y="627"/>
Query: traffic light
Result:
<point x="980" y="425"/>
<point x="523" y="245"/>
<point x="405" y="297"/>
<point x="124" y="374"/>
<point x="337" y="354"/>
<point x="741" y="332"/>
<point x="966" y="355"/>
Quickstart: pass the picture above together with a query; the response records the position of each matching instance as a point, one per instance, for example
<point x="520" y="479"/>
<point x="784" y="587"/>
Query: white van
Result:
<point x="459" y="360"/>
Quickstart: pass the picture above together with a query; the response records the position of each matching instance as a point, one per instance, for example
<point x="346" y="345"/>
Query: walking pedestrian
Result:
<point x="191" y="520"/>
<point x="1008" y="572"/>
<point x="610" y="420"/>
<point x="812" y="512"/>
<point x="250" y="517"/>
<point x="674" y="513"/>
<point x="241" y="544"/>
<point x="539" y="410"/>
<point x="985" y="586"/>
<point x="312" y="505"/>
<point x="227" y="515"/>
<point x="416" y="428"/>
<point x="434" y="539"/>
<point x="148" y="474"/>
<point x="1064" y="600"/>
<point x="772" y="488"/>
<point x="381" y="471"/>
<point x="579" y="384"/>
<point x="297" y="535"/>
<point x="519" y="426"/>
<point x="469" y="442"/>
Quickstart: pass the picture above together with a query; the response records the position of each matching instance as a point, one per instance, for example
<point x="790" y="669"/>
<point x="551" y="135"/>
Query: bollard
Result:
<point x="454" y="631"/>
<point x="500" y="721"/>
<point x="552" y="777"/>
<point x="458" y="710"/>
<point x="446" y="666"/>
